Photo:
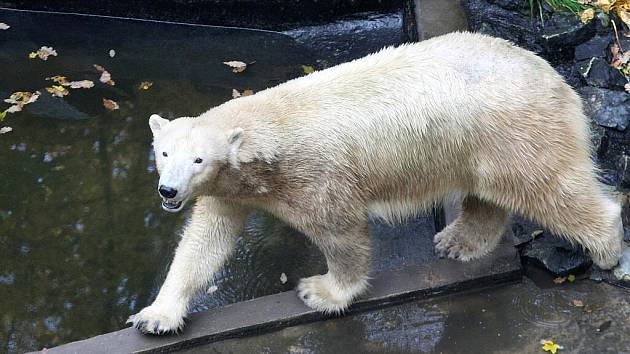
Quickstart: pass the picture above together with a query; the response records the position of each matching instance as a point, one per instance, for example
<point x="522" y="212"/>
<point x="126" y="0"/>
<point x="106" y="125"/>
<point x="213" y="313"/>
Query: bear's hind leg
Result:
<point x="582" y="212"/>
<point x="474" y="233"/>
<point x="348" y="258"/>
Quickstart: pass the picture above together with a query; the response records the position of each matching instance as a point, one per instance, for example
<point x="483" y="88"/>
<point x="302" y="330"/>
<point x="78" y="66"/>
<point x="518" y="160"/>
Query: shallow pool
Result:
<point x="83" y="240"/>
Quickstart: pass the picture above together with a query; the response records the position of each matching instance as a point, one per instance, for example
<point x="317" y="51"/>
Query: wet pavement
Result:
<point x="83" y="241"/>
<point x="583" y="317"/>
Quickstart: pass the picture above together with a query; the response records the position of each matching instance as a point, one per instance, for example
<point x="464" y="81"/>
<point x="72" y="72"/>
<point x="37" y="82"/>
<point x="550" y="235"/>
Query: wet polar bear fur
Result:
<point x="386" y="135"/>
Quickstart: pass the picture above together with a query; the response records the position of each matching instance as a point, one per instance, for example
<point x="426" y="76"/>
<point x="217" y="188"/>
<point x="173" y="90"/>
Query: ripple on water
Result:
<point x="548" y="308"/>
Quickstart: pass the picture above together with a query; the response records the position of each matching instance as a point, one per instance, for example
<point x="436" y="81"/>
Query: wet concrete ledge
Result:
<point x="282" y="310"/>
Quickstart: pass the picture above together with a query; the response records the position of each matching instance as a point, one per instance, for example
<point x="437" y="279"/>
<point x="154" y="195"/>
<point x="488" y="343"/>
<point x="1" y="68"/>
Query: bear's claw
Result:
<point x="154" y="321"/>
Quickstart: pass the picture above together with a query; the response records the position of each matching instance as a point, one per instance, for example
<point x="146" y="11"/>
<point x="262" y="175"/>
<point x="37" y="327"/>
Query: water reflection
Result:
<point x="83" y="240"/>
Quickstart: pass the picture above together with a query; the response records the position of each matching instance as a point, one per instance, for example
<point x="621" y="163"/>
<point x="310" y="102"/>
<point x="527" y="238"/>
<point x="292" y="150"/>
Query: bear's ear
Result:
<point x="235" y="139"/>
<point x="156" y="123"/>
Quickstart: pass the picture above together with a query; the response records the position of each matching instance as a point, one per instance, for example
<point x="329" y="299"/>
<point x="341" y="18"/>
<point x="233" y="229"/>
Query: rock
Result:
<point x="571" y="74"/>
<point x="556" y="255"/>
<point x="563" y="32"/>
<point x="598" y="72"/>
<point x="623" y="171"/>
<point x="622" y="271"/>
<point x="607" y="108"/>
<point x="505" y="19"/>
<point x="597" y="47"/>
<point x="512" y="20"/>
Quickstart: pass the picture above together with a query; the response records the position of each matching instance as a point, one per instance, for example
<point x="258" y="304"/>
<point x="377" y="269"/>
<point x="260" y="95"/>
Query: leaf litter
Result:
<point x="237" y="66"/>
<point x="19" y="100"/>
<point x="236" y="93"/>
<point x="550" y="346"/>
<point x="57" y="91"/>
<point x="106" y="77"/>
<point x="43" y="53"/>
<point x="110" y="104"/>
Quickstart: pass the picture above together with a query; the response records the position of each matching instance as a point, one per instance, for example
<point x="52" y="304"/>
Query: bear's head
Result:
<point x="188" y="153"/>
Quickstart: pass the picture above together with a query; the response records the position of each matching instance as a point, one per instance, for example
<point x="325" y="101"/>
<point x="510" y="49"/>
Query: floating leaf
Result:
<point x="571" y="278"/>
<point x="63" y="81"/>
<point x="145" y="85"/>
<point x="110" y="104"/>
<point x="3" y="115"/>
<point x="4" y="26"/>
<point x="57" y="91"/>
<point x="283" y="278"/>
<point x="550" y="346"/>
<point x="308" y="69"/>
<point x="112" y="53"/>
<point x="5" y="130"/>
<point x="106" y="77"/>
<point x="237" y="66"/>
<point x="81" y="84"/>
<point x="43" y="53"/>
<point x="20" y="99"/>
<point x="236" y="93"/>
<point x="577" y="303"/>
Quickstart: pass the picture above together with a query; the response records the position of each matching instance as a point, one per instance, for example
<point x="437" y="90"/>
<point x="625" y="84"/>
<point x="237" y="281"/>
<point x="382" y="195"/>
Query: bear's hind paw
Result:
<point x="321" y="293"/>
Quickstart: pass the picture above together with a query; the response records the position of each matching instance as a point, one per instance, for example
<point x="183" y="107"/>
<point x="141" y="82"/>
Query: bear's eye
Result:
<point x="164" y="154"/>
<point x="198" y="160"/>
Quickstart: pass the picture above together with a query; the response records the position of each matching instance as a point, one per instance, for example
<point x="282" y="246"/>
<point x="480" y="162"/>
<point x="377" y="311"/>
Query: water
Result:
<point x="83" y="241"/>
<point x="510" y="319"/>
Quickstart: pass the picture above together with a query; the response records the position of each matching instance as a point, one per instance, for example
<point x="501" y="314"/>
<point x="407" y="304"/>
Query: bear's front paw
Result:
<point x="157" y="320"/>
<point x="322" y="293"/>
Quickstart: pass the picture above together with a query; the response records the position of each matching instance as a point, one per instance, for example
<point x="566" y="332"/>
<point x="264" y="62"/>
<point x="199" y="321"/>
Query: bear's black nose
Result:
<point x="167" y="192"/>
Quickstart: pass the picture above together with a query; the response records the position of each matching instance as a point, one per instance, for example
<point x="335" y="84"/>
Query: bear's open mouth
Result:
<point x="171" y="205"/>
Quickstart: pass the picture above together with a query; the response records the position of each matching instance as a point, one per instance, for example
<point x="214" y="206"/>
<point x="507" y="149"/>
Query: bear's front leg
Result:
<point x="208" y="240"/>
<point x="348" y="257"/>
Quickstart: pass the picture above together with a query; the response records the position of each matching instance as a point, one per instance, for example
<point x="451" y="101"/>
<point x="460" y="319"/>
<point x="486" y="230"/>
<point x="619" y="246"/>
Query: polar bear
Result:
<point x="386" y="135"/>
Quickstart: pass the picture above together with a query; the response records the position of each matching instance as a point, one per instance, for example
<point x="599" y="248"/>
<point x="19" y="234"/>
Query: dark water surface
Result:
<point x="506" y="320"/>
<point x="83" y="241"/>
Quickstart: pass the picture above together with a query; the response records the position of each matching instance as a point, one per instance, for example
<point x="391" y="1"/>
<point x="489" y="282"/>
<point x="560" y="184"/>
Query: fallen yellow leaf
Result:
<point x="43" y="53"/>
<point x="57" y="91"/>
<point x="308" y="69"/>
<point x="3" y="114"/>
<point x="145" y="85"/>
<point x="571" y="278"/>
<point x="550" y="346"/>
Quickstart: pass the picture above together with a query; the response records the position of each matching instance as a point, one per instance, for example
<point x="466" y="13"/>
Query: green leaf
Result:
<point x="3" y="114"/>
<point x="571" y="278"/>
<point x="308" y="69"/>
